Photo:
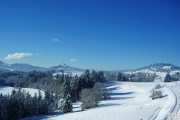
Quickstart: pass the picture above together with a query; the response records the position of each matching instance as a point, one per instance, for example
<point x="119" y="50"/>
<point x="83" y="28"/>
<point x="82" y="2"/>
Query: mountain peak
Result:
<point x="65" y="67"/>
<point x="64" y="64"/>
<point x="160" y="67"/>
<point x="162" y="64"/>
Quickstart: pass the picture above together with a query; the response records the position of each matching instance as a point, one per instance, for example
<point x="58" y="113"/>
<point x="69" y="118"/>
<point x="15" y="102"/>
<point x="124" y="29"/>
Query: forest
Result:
<point x="61" y="91"/>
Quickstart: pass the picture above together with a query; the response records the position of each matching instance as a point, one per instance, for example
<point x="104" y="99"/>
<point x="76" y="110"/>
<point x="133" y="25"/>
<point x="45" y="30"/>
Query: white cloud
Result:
<point x="18" y="56"/>
<point x="73" y="60"/>
<point x="55" y="40"/>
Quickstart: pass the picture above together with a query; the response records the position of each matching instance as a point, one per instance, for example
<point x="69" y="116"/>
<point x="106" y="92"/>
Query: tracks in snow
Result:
<point x="174" y="115"/>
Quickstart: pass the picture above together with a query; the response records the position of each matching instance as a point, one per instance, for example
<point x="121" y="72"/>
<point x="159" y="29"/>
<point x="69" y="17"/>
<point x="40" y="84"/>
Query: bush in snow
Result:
<point x="101" y="91"/>
<point x="65" y="104"/>
<point x="91" y="97"/>
<point x="156" y="94"/>
<point x="158" y="86"/>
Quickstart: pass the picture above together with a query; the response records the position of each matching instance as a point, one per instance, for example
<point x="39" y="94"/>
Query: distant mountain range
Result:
<point x="20" y="67"/>
<point x="67" y="69"/>
<point x="27" y="67"/>
<point x="160" y="69"/>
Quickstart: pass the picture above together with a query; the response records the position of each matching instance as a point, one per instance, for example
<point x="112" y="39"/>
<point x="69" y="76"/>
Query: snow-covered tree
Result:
<point x="89" y="81"/>
<point x="88" y="98"/>
<point x="74" y="89"/>
<point x="65" y="104"/>
<point x="66" y="89"/>
<point x="167" y="78"/>
<point x="3" y="108"/>
<point x="156" y="94"/>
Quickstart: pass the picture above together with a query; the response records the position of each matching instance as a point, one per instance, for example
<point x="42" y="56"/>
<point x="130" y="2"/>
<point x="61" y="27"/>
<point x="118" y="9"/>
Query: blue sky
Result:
<point x="99" y="34"/>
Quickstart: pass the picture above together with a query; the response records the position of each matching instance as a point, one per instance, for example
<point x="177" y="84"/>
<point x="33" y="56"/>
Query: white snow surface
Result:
<point x="166" y="67"/>
<point x="161" y="75"/>
<point x="174" y="71"/>
<point x="5" y="90"/>
<point x="129" y="101"/>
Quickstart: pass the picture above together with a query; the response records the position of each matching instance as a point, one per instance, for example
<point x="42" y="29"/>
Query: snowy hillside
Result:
<point x="160" y="69"/>
<point x="129" y="101"/>
<point x="5" y="90"/>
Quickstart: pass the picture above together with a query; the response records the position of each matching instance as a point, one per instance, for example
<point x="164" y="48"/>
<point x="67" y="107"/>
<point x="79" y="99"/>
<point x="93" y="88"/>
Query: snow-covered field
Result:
<point x="5" y="90"/>
<point x="129" y="101"/>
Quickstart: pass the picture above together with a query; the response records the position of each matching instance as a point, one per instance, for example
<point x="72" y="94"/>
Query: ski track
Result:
<point x="176" y="109"/>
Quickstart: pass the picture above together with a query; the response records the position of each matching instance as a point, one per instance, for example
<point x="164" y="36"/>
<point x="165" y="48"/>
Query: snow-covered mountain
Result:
<point x="160" y="69"/>
<point x="4" y="66"/>
<point x="20" y="67"/>
<point x="67" y="69"/>
<point x="27" y="67"/>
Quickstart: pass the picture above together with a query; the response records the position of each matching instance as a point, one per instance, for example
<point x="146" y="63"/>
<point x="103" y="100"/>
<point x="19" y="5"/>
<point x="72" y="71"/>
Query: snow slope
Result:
<point x="5" y="90"/>
<point x="129" y="101"/>
<point x="161" y="75"/>
<point x="175" y="109"/>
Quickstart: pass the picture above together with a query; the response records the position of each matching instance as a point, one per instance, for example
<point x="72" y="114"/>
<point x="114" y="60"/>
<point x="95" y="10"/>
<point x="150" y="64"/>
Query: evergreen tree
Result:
<point x="81" y="83"/>
<point x="40" y="95"/>
<point x="74" y="89"/>
<point x="119" y="76"/>
<point x="167" y="78"/>
<point x="49" y="98"/>
<point x="80" y="87"/>
<point x="66" y="88"/>
<point x="16" y="104"/>
<point x="110" y="76"/>
<point x="65" y="104"/>
<point x="3" y="107"/>
<point x="35" y="104"/>
<point x="101" y="77"/>
<point x="28" y="105"/>
<point x="60" y="78"/>
<point x="94" y="76"/>
<point x="89" y="81"/>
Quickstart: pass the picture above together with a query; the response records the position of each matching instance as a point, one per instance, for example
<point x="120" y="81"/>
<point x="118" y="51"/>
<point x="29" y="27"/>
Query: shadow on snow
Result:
<point x="121" y="93"/>
<point x="120" y="98"/>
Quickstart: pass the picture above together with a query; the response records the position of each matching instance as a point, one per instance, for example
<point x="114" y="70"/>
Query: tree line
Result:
<point x="61" y="91"/>
<point x="139" y="77"/>
<point x="173" y="77"/>
<point x="20" y="104"/>
<point x="135" y="77"/>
